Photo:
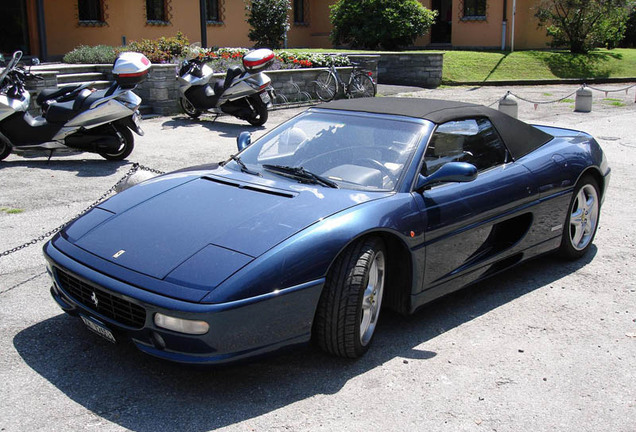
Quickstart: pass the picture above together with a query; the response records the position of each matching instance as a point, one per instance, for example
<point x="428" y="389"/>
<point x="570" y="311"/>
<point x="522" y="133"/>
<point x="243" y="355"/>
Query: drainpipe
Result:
<point x="42" y="30"/>
<point x="504" y="24"/>
<point x="204" y="24"/>
<point x="512" y="34"/>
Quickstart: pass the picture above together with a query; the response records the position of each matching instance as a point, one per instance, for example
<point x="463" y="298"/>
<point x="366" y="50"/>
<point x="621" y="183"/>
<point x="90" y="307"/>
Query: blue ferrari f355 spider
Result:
<point x="311" y="230"/>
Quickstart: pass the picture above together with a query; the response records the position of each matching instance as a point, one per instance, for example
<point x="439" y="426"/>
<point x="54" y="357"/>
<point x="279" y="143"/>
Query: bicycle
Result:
<point x="360" y="83"/>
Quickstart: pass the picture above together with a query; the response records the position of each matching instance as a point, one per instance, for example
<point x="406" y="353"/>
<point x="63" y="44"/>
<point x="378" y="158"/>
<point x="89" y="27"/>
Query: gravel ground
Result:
<point x="550" y="346"/>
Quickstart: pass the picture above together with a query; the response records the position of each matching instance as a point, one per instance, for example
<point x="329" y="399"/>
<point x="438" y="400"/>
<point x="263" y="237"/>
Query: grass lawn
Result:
<point x="464" y="66"/>
<point x="479" y="66"/>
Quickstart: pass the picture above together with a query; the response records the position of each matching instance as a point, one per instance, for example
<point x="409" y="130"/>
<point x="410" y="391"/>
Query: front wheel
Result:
<point x="362" y="86"/>
<point x="126" y="144"/>
<point x="350" y="303"/>
<point x="582" y="219"/>
<point x="326" y="86"/>
<point x="188" y="108"/>
<point x="260" y="111"/>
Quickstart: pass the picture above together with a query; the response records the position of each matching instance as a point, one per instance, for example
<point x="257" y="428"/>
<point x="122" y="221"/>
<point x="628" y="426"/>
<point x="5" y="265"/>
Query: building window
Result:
<point x="213" y="11"/>
<point x="157" y="12"/>
<point x="299" y="12"/>
<point x="90" y="11"/>
<point x="474" y="9"/>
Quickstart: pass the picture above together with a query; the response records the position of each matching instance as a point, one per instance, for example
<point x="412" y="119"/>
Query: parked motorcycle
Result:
<point x="79" y="120"/>
<point x="244" y="93"/>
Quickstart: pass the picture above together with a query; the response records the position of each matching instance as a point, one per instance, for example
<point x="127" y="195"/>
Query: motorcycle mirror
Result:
<point x="243" y="140"/>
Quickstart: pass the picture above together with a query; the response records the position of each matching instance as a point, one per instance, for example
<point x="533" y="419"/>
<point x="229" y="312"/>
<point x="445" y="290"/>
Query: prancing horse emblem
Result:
<point x="94" y="298"/>
<point x="118" y="254"/>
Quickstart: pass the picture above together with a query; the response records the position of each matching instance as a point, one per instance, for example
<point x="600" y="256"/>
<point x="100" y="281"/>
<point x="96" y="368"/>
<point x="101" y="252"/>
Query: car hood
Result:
<point x="197" y="231"/>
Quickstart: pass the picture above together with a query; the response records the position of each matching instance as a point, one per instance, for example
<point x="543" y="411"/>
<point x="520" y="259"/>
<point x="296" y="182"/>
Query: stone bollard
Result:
<point x="136" y="178"/>
<point x="583" y="101"/>
<point x="508" y="105"/>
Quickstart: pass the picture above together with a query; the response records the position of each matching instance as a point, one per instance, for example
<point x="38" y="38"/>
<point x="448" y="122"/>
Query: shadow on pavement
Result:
<point x="222" y="125"/>
<point x="141" y="393"/>
<point x="83" y="168"/>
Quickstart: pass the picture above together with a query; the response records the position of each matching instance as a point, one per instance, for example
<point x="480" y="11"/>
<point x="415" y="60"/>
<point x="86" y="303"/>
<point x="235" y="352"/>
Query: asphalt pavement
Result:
<point x="549" y="346"/>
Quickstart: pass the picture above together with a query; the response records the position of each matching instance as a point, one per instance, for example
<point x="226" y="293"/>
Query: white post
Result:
<point x="512" y="35"/>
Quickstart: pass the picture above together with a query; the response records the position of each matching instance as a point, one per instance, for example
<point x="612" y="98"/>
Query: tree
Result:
<point x="269" y="21"/>
<point x="372" y="23"/>
<point x="629" y="41"/>
<point x="582" y="25"/>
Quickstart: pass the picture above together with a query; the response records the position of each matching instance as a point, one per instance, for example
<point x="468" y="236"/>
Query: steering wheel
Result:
<point x="372" y="163"/>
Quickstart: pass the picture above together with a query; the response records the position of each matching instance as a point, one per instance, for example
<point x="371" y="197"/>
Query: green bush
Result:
<point x="269" y="21"/>
<point x="92" y="54"/>
<point x="370" y="24"/>
<point x="162" y="50"/>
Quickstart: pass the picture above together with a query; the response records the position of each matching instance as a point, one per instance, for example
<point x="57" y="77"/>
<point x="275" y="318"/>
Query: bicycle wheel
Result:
<point x="326" y="86"/>
<point x="361" y="86"/>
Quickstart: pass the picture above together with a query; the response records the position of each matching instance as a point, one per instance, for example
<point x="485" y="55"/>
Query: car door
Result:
<point x="467" y="224"/>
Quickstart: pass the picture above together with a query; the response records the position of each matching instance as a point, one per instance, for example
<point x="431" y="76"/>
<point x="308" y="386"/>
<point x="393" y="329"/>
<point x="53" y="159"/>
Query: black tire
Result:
<point x="5" y="150"/>
<point x="362" y="86"/>
<point x="326" y="86"/>
<point x="189" y="109"/>
<point x="582" y="219"/>
<point x="126" y="147"/>
<point x="261" y="111"/>
<point x="351" y="299"/>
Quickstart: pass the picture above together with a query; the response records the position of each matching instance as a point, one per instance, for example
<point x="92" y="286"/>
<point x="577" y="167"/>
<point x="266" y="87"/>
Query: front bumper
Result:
<point x="238" y="329"/>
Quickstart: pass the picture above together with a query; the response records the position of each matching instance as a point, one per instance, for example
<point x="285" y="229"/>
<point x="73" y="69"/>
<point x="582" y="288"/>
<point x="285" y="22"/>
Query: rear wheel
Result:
<point x="188" y="108"/>
<point x="126" y="144"/>
<point x="362" y="86"/>
<point x="326" y="86"/>
<point x="5" y="149"/>
<point x="582" y="219"/>
<point x="260" y="108"/>
<point x="350" y="303"/>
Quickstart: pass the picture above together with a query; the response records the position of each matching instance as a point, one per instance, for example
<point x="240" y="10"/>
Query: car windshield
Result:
<point x="344" y="150"/>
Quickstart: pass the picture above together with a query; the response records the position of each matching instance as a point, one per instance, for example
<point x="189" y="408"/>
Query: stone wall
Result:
<point x="415" y="69"/>
<point x="160" y="91"/>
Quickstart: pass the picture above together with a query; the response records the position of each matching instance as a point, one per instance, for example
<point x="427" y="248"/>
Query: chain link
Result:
<point x="133" y="169"/>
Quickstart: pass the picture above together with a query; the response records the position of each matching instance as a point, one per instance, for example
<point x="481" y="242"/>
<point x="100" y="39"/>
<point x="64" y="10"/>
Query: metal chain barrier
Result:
<point x="541" y="102"/>
<point x="135" y="167"/>
<point x="583" y="86"/>
<point x="625" y="89"/>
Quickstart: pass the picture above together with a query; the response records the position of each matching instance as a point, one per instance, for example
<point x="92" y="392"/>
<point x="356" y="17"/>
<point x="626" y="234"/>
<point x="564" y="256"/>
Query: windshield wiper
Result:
<point x="243" y="167"/>
<point x="301" y="174"/>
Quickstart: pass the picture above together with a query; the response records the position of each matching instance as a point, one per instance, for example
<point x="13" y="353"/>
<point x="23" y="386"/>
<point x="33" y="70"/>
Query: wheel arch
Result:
<point x="399" y="273"/>
<point x="595" y="173"/>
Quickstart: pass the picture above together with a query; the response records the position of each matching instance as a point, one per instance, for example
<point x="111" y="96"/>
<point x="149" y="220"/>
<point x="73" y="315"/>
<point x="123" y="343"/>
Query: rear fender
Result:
<point x="133" y="123"/>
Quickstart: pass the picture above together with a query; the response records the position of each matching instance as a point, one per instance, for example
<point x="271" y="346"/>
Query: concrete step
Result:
<point x="80" y="77"/>
<point x="63" y="68"/>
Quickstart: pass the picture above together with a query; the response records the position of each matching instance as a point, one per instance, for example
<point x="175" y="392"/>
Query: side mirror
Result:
<point x="450" y="172"/>
<point x="243" y="140"/>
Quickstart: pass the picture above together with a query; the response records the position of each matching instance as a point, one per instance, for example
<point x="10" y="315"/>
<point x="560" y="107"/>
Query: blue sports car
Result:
<point x="308" y="232"/>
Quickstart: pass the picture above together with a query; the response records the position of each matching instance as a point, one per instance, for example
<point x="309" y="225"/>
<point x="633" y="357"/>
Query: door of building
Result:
<point x="441" y="30"/>
<point x="14" y="31"/>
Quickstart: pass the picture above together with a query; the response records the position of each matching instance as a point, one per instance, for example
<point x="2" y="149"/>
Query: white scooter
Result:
<point x="244" y="93"/>
<point x="96" y="121"/>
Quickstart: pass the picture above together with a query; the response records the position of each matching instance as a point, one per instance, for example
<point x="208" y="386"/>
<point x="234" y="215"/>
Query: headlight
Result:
<point x="181" y="325"/>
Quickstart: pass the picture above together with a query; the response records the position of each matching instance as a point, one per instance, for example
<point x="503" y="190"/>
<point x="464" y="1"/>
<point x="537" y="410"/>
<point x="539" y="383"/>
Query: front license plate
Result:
<point x="99" y="329"/>
<point x="265" y="97"/>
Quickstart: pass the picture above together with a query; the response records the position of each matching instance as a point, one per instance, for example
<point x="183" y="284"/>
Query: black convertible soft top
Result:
<point x="520" y="138"/>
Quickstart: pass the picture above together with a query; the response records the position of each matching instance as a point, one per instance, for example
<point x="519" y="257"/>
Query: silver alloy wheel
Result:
<point x="584" y="217"/>
<point x="372" y="299"/>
